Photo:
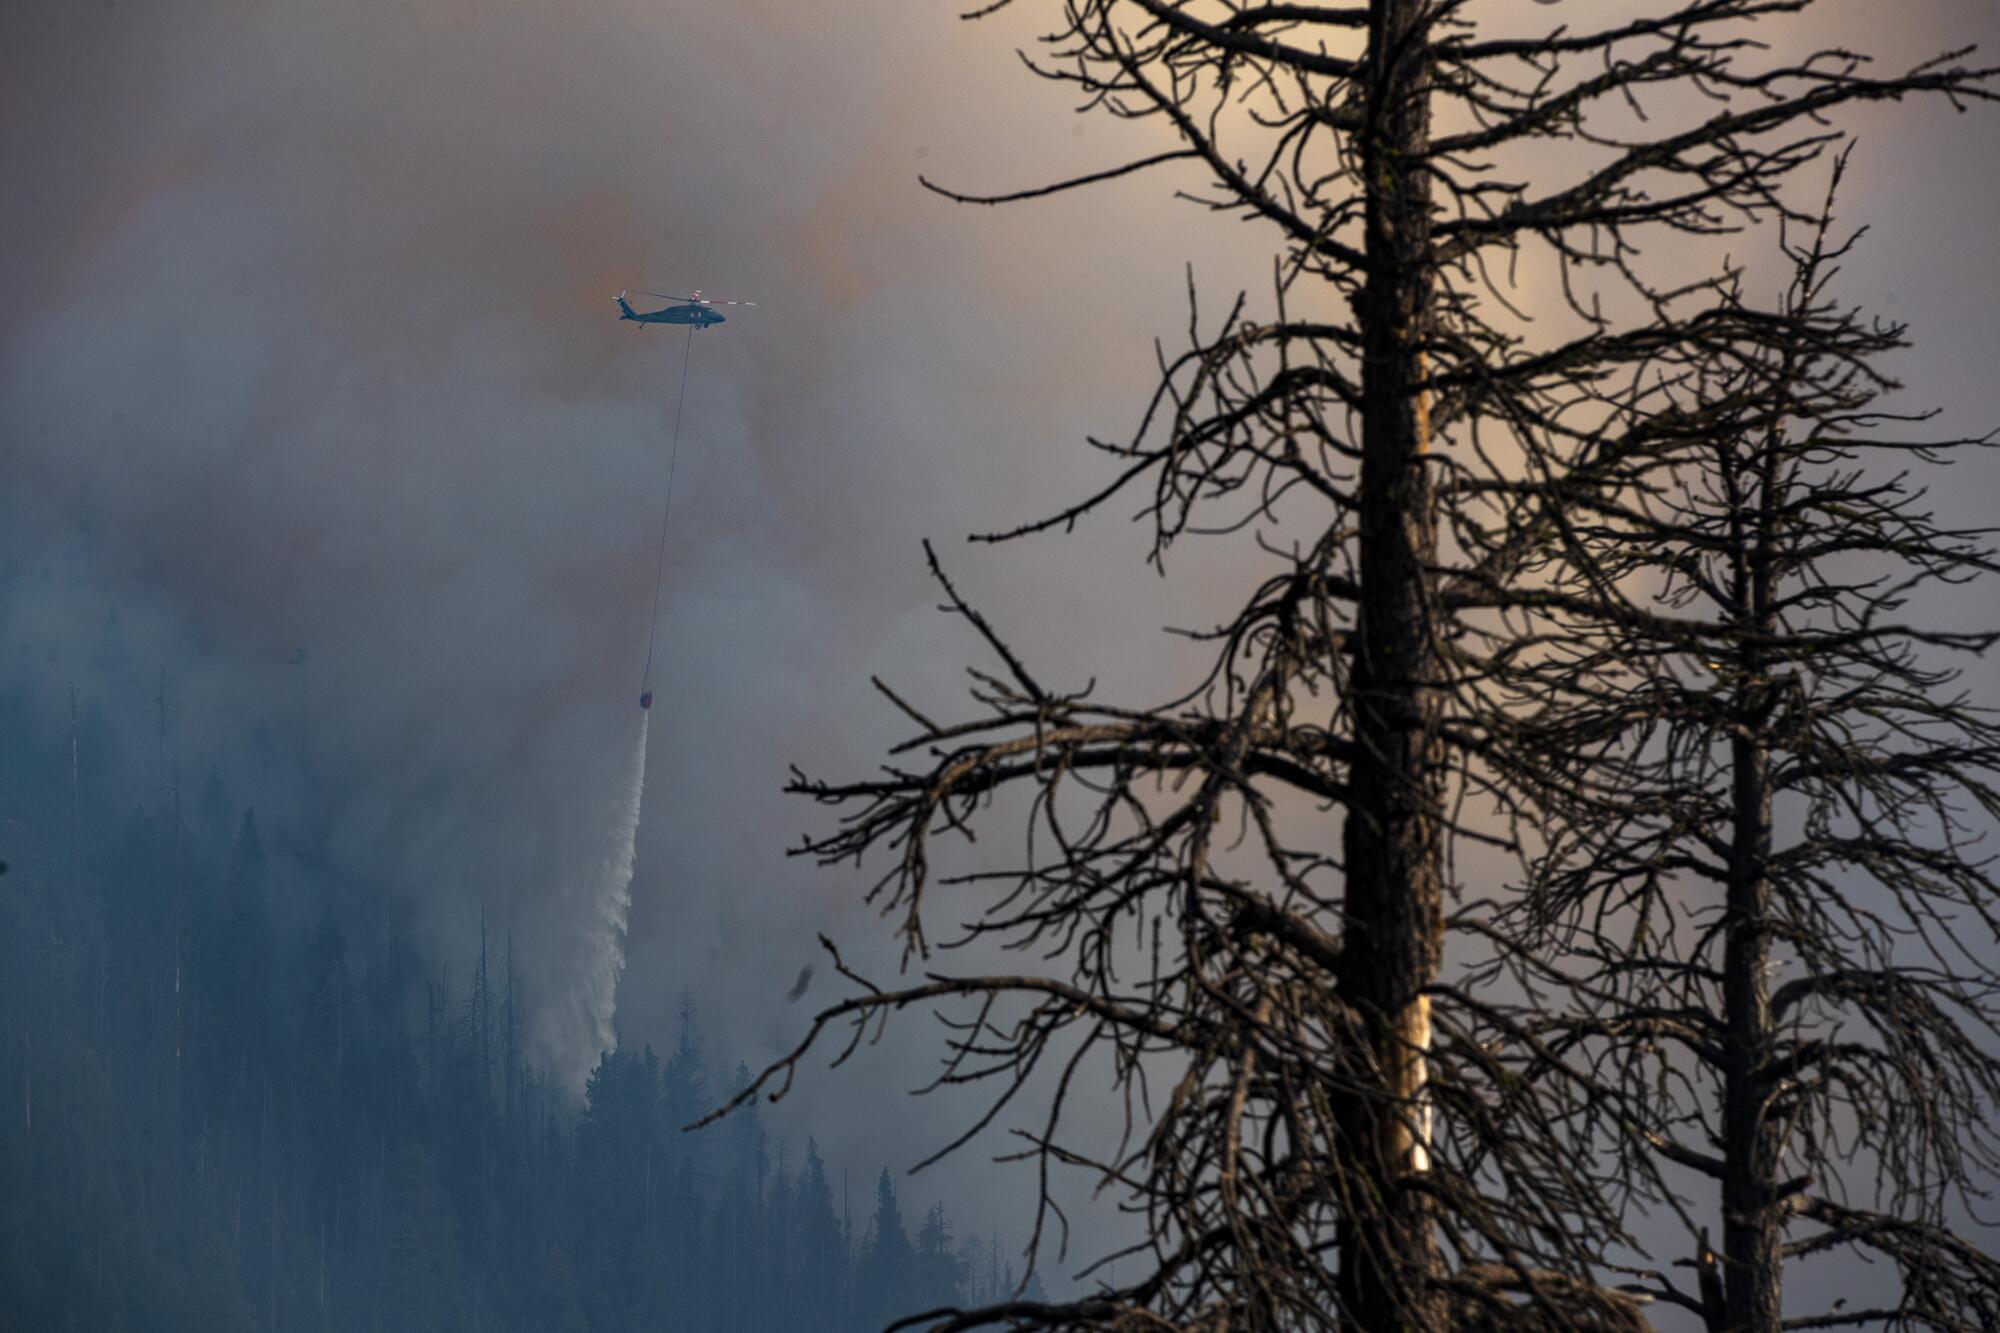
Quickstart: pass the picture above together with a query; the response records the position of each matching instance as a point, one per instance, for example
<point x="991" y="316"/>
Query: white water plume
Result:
<point x="602" y="891"/>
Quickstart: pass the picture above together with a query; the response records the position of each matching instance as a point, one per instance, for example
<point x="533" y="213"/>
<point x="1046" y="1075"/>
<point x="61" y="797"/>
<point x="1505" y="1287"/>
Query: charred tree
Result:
<point x="1788" y="926"/>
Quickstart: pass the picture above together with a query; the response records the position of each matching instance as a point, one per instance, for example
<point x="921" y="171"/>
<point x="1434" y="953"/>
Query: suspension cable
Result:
<point x="660" y="566"/>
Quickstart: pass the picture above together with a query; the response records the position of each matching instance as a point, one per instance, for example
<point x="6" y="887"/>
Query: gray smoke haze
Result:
<point x="313" y="299"/>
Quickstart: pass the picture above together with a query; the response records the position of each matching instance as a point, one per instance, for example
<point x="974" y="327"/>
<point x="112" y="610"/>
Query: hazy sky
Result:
<point x="314" y="297"/>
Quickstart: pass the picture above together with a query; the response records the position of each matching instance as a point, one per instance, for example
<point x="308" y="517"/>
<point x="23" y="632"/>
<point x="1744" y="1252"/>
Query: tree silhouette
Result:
<point x="888" y="1263"/>
<point x="1773" y="872"/>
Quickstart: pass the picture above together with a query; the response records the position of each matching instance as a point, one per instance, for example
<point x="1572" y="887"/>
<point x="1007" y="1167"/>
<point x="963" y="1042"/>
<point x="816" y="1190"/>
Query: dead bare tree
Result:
<point x="1245" y="891"/>
<point x="1789" y="928"/>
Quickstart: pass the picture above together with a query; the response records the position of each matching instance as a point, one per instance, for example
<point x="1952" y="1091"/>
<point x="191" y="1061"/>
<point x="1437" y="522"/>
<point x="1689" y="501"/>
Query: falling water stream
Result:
<point x="610" y="899"/>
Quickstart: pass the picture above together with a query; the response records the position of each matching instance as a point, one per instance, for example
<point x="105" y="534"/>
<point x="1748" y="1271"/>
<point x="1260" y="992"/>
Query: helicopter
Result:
<point x="697" y="310"/>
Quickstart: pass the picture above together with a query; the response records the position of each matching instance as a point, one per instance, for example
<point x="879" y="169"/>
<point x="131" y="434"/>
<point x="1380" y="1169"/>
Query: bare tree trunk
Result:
<point x="1752" y="1240"/>
<point x="1752" y="1257"/>
<point x="1393" y="922"/>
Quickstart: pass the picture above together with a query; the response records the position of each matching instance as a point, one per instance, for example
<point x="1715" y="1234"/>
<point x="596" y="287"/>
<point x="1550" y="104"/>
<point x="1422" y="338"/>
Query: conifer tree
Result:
<point x="821" y="1246"/>
<point x="886" y="1282"/>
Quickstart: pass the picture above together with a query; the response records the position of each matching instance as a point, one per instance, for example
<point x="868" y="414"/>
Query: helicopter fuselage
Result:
<point x="700" y="316"/>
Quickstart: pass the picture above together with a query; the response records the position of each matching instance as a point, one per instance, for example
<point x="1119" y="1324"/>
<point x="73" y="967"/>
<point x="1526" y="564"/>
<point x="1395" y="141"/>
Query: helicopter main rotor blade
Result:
<point x="697" y="300"/>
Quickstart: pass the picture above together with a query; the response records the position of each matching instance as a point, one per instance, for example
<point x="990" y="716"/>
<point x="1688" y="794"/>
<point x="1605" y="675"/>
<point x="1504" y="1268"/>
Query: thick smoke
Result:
<point x="310" y="304"/>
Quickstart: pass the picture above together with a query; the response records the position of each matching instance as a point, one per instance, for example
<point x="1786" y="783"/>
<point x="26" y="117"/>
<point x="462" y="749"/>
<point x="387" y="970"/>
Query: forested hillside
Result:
<point x="225" y="1111"/>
